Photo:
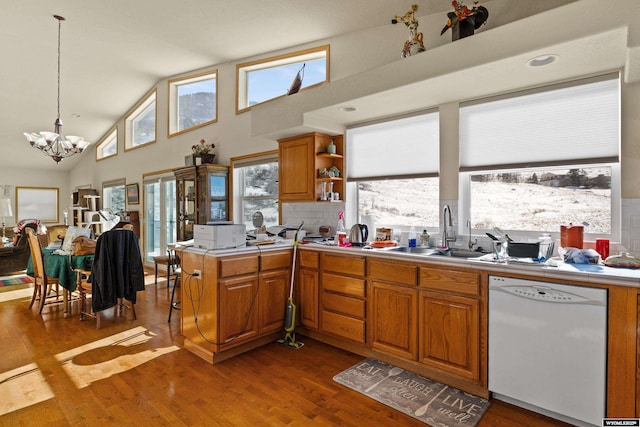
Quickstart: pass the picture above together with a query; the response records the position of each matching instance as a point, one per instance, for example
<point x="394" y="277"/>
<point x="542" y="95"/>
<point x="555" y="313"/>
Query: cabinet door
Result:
<point x="393" y="316"/>
<point x="238" y="309"/>
<point x="296" y="169"/>
<point x="308" y="300"/>
<point x="450" y="333"/>
<point x="274" y="291"/>
<point x="213" y="193"/>
<point x="186" y="206"/>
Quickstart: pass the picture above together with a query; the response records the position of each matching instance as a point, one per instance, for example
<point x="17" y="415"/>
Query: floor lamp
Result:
<point x="5" y="211"/>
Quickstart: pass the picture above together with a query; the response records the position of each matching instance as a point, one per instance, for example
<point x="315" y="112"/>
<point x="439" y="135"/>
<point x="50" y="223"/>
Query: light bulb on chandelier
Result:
<point x="55" y="144"/>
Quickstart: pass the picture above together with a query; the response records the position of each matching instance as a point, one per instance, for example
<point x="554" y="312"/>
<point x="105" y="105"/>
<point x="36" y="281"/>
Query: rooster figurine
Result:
<point x="475" y="17"/>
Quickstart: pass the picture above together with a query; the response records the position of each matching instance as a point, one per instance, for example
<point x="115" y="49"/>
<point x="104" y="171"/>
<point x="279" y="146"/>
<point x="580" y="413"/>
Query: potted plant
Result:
<point x="203" y="151"/>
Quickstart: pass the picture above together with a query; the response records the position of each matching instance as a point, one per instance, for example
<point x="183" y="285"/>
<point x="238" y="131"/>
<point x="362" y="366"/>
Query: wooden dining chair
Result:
<point x="84" y="288"/>
<point x="43" y="284"/>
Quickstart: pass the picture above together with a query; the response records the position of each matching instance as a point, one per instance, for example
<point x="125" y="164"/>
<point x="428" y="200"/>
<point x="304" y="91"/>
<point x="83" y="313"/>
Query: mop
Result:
<point x="289" y="339"/>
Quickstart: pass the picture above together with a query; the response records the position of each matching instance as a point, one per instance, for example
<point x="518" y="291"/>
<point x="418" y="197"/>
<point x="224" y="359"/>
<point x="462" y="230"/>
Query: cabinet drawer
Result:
<point x="395" y="272"/>
<point x="236" y="266"/>
<point x="345" y="326"/>
<point x="343" y="264"/>
<point x="342" y="304"/>
<point x="275" y="260"/>
<point x="463" y="282"/>
<point x="344" y="285"/>
<point x="309" y="259"/>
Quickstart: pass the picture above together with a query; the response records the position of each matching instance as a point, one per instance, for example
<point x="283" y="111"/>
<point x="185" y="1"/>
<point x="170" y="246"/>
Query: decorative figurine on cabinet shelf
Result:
<point x="331" y="148"/>
<point x="334" y="172"/>
<point x="464" y="21"/>
<point x="414" y="44"/>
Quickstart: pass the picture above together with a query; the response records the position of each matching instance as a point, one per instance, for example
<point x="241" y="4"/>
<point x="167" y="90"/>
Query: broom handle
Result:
<point x="293" y="265"/>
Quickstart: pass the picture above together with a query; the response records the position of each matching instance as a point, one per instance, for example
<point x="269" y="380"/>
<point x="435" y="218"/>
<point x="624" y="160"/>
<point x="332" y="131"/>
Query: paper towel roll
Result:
<point x="369" y="221"/>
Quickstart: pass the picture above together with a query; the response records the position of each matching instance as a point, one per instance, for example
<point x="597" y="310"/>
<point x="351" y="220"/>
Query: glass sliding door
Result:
<point x="160" y="215"/>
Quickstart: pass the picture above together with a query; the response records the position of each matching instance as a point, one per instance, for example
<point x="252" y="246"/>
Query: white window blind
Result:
<point x="569" y="124"/>
<point x="402" y="147"/>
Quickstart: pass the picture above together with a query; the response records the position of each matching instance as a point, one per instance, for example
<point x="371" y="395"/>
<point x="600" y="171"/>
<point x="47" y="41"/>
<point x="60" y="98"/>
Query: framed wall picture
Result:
<point x="133" y="194"/>
<point x="37" y="203"/>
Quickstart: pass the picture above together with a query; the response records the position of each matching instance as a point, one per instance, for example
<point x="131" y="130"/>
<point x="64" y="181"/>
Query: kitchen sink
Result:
<point x="464" y="253"/>
<point x="416" y="250"/>
<point x="455" y="253"/>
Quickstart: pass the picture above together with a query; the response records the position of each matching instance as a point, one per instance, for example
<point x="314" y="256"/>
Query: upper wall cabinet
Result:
<point x="309" y="170"/>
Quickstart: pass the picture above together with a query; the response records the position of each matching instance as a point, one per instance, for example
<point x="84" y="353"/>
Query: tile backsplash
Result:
<point x="314" y="214"/>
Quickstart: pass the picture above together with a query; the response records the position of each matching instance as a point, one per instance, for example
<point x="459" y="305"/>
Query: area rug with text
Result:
<point x="426" y="400"/>
<point x="15" y="282"/>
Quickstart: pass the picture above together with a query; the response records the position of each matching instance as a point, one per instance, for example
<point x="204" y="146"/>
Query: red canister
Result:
<point x="602" y="247"/>
<point x="571" y="236"/>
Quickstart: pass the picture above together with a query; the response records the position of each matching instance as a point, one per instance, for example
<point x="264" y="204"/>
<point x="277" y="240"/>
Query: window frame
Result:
<point x="120" y="182"/>
<point x="466" y="171"/>
<point x="172" y="110"/>
<point x="242" y="71"/>
<point x="138" y="110"/>
<point x="106" y="140"/>
<point x="237" y="194"/>
<point x="351" y="185"/>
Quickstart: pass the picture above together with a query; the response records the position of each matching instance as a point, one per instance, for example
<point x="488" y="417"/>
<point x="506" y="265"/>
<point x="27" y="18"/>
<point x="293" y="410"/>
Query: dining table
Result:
<point x="64" y="268"/>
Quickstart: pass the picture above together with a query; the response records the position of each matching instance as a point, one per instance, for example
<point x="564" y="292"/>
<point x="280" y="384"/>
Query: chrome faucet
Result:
<point x="446" y="224"/>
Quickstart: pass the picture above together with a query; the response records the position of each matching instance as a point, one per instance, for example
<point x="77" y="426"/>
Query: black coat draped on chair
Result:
<point x="117" y="270"/>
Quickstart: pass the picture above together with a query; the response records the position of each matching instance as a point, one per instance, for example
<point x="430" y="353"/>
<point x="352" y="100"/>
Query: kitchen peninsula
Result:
<point x="399" y="308"/>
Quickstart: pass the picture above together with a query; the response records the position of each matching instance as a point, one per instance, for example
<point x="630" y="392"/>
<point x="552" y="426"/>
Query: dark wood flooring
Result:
<point x="57" y="371"/>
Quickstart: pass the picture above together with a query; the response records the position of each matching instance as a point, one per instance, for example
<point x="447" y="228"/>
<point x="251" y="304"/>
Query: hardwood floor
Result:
<point x="64" y="372"/>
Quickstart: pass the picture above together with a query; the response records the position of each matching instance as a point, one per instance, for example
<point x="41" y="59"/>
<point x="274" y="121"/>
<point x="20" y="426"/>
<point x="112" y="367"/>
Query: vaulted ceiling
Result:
<point x="114" y="51"/>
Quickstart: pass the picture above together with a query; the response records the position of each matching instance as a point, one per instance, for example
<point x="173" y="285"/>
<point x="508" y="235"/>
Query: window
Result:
<point x="263" y="80"/>
<point x="393" y="172"/>
<point x="159" y="192"/>
<point x="538" y="159"/>
<point x="255" y="188"/>
<point x="140" y="123"/>
<point x="113" y="195"/>
<point x="192" y="102"/>
<point x="108" y="146"/>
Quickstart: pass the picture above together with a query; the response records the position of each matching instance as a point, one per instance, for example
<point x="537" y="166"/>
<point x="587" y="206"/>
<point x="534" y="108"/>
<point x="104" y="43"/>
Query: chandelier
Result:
<point x="55" y="144"/>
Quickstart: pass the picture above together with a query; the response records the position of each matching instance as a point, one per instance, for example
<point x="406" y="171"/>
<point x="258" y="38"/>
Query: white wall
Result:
<point x="22" y="176"/>
<point x="351" y="54"/>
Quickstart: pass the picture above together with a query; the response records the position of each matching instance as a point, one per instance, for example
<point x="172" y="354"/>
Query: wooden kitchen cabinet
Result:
<point x="342" y="297"/>
<point x="274" y="283"/>
<point x="450" y="322"/>
<point x="300" y="158"/>
<point x="393" y="308"/>
<point x="308" y="288"/>
<point x="238" y="303"/>
<point x="237" y="316"/>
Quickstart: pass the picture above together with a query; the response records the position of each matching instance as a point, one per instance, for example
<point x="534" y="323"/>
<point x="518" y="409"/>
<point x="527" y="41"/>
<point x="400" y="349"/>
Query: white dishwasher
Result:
<point x="548" y="347"/>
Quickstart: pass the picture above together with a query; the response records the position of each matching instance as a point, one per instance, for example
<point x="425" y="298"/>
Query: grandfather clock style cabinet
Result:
<point x="202" y="196"/>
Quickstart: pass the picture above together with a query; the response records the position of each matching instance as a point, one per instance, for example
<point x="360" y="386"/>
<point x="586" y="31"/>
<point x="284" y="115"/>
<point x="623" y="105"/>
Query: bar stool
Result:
<point x="164" y="260"/>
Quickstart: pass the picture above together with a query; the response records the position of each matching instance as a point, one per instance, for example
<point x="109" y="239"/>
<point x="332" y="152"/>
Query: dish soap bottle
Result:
<point x="412" y="237"/>
<point x="424" y="239"/>
<point x="341" y="233"/>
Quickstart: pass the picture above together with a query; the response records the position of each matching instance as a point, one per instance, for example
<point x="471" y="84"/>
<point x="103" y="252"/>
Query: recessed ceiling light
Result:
<point x="348" y="109"/>
<point x="542" y="60"/>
